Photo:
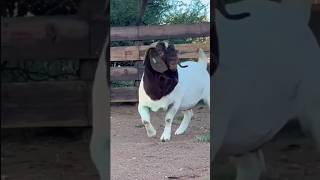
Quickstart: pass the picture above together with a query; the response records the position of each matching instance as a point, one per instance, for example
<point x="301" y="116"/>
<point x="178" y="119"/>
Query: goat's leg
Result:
<point x="207" y="97"/>
<point x="250" y="166"/>
<point x="310" y="122"/>
<point x="172" y="111"/>
<point x="187" y="116"/>
<point x="309" y="97"/>
<point x="145" y="117"/>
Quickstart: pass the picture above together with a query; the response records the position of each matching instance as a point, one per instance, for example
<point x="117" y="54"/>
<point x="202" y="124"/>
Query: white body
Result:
<point x="193" y="86"/>
<point x="268" y="74"/>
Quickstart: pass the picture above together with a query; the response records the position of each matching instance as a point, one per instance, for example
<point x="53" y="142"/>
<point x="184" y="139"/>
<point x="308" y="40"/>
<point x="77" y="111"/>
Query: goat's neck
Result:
<point x="157" y="85"/>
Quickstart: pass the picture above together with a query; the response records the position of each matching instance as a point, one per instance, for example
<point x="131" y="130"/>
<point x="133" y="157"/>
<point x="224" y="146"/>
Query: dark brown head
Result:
<point x="160" y="73"/>
<point x="163" y="57"/>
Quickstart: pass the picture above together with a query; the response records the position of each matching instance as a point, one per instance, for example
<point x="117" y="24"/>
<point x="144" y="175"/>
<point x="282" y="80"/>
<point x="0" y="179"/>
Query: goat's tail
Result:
<point x="203" y="59"/>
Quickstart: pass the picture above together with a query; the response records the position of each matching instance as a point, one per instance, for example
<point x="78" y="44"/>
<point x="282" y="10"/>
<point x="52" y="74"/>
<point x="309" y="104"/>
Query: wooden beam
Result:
<point x="52" y="104"/>
<point x="124" y="73"/>
<point x="134" y="53"/>
<point x="125" y="94"/>
<point x="44" y="37"/>
<point x="160" y="32"/>
<point x="45" y="104"/>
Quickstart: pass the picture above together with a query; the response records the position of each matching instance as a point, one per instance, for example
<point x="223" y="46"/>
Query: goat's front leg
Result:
<point x="172" y="111"/>
<point x="145" y="117"/>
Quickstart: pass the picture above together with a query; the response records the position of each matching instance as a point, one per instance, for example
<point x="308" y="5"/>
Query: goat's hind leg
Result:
<point x="145" y="117"/>
<point x="250" y="166"/>
<point x="187" y="116"/>
<point x="310" y="122"/>
<point x="310" y="110"/>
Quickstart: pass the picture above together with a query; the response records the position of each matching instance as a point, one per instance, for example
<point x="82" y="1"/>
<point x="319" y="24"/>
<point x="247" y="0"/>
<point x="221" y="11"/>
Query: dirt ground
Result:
<point x="136" y="156"/>
<point x="46" y="154"/>
<point x="62" y="153"/>
<point x="290" y="156"/>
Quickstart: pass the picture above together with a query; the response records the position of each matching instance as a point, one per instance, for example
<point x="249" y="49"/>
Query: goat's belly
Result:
<point x="189" y="104"/>
<point x="251" y="129"/>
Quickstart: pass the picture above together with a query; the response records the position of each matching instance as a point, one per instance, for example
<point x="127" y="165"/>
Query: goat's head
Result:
<point x="162" y="57"/>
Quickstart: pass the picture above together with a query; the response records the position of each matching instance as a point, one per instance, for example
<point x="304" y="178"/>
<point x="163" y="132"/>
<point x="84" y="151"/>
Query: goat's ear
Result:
<point x="155" y="60"/>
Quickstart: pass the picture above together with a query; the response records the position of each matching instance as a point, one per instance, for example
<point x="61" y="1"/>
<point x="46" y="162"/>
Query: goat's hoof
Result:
<point x="179" y="131"/>
<point x="165" y="138"/>
<point x="152" y="133"/>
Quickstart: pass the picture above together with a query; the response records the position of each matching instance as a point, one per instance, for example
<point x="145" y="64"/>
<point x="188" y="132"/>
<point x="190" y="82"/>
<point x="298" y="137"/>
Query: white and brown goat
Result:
<point x="166" y="86"/>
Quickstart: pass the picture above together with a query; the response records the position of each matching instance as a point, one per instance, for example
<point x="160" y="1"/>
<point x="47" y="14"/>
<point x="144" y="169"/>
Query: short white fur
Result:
<point x="193" y="86"/>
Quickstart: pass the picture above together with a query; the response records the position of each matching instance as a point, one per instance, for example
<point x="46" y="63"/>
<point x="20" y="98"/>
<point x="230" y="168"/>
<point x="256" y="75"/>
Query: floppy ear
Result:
<point x="155" y="61"/>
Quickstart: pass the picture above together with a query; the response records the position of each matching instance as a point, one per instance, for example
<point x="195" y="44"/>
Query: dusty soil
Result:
<point x="290" y="156"/>
<point x="136" y="156"/>
<point x="46" y="154"/>
<point x="63" y="154"/>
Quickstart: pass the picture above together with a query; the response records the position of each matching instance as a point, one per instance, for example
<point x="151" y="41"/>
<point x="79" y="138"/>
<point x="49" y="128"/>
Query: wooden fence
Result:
<point x="136" y="53"/>
<point x="68" y="103"/>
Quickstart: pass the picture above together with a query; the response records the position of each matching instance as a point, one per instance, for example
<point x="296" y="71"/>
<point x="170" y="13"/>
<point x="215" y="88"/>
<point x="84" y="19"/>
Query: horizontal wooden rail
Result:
<point x="45" y="104"/>
<point x="132" y="53"/>
<point x="124" y="73"/>
<point x="124" y="94"/>
<point x="53" y="37"/>
<point x="44" y="37"/>
<point x="53" y="104"/>
<point x="160" y="32"/>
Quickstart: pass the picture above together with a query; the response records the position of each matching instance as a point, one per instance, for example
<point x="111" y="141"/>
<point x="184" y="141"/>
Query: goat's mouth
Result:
<point x="173" y="67"/>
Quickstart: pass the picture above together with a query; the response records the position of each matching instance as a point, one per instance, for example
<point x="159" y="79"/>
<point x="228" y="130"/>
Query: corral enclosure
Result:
<point x="67" y="103"/>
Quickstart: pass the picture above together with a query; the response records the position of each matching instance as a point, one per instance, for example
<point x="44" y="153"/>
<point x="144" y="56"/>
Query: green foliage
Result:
<point x="204" y="138"/>
<point x="13" y="8"/>
<point x="46" y="70"/>
<point x="179" y="118"/>
<point x="122" y="83"/>
<point x="183" y="13"/>
<point x="125" y="12"/>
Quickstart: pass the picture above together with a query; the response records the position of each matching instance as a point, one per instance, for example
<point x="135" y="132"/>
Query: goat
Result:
<point x="171" y="88"/>
<point x="260" y="85"/>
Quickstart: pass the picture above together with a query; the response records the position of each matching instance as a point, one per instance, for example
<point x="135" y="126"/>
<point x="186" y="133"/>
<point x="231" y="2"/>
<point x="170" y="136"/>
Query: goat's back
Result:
<point x="194" y="82"/>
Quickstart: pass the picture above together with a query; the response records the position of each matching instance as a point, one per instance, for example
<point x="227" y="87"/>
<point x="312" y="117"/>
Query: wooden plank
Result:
<point x="44" y="37"/>
<point x="45" y="104"/>
<point x="88" y="67"/>
<point x="316" y="2"/>
<point x="125" y="94"/>
<point x="52" y="37"/>
<point x="124" y="73"/>
<point x="134" y="53"/>
<point x="160" y="32"/>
